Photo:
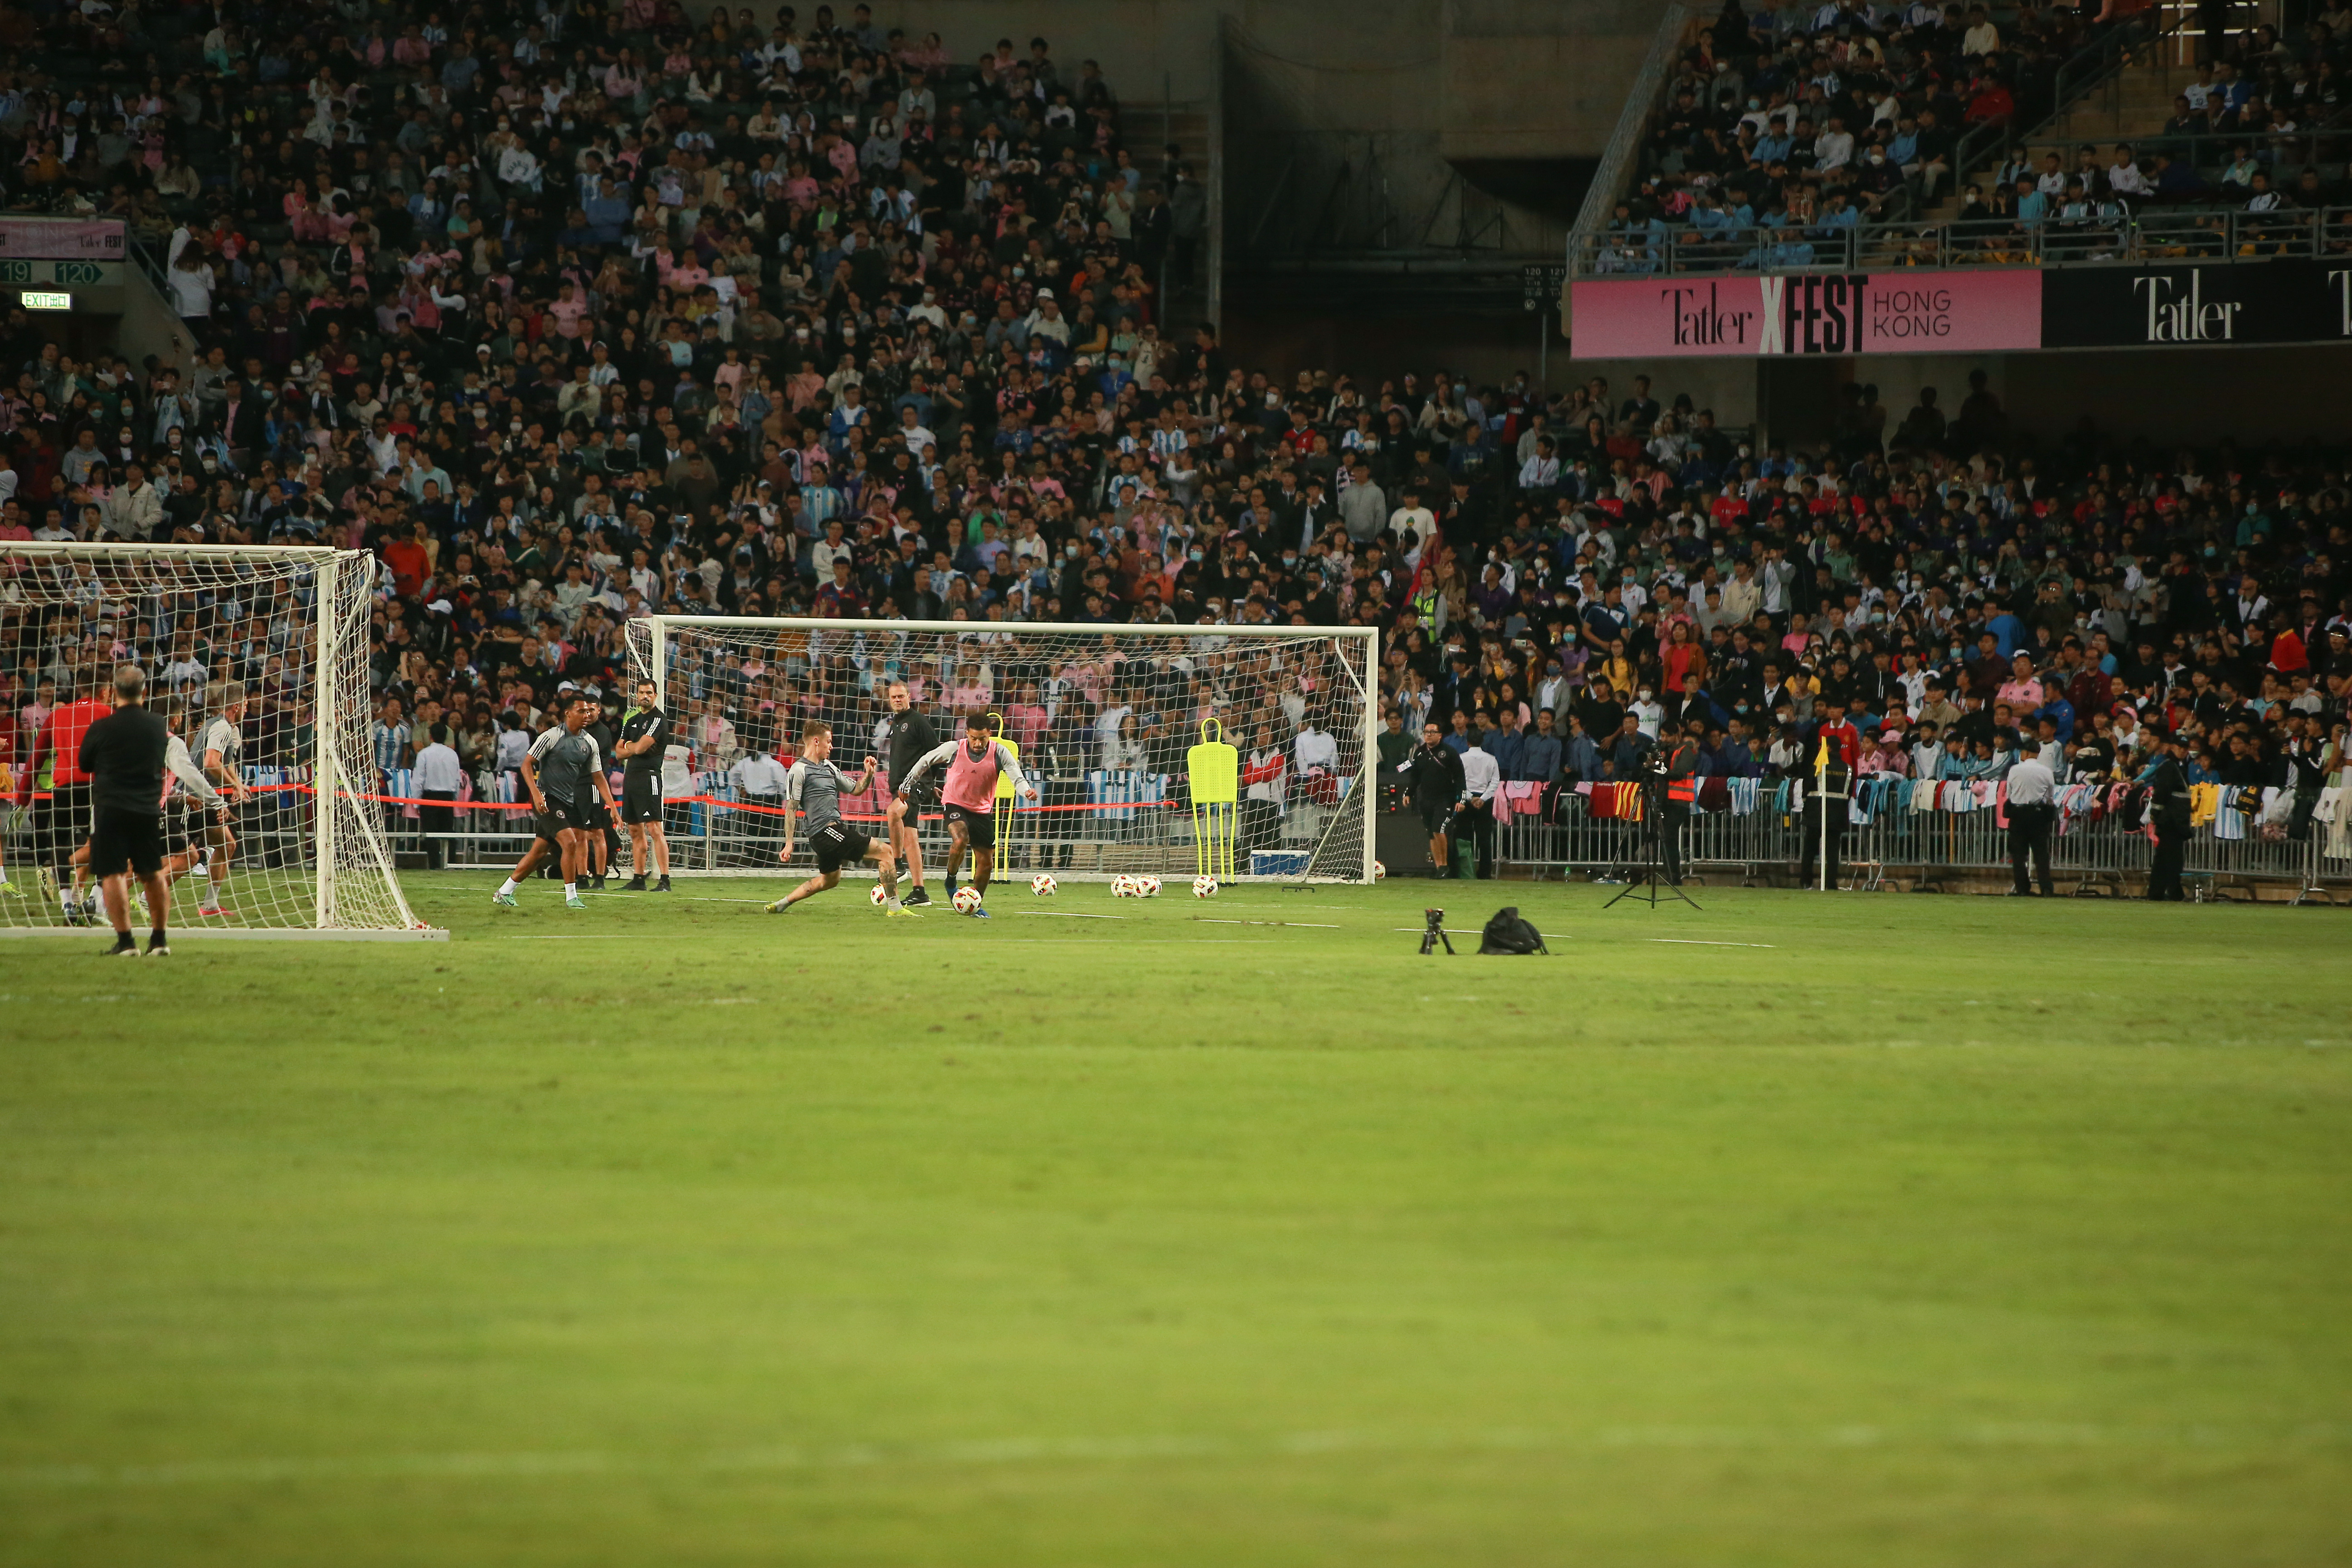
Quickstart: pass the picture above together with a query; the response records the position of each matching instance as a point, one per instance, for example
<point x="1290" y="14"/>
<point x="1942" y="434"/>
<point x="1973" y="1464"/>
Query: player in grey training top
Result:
<point x="219" y="748"/>
<point x="564" y="770"/>
<point x="816" y="786"/>
<point x="567" y="759"/>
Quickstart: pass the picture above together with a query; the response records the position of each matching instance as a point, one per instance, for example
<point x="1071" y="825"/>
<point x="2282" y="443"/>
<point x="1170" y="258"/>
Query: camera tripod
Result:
<point x="1650" y="881"/>
<point x="1434" y="933"/>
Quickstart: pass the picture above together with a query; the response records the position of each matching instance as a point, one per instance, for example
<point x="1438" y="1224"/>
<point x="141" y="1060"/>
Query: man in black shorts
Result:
<point x="815" y="785"/>
<point x="123" y="753"/>
<point x="644" y="735"/>
<point x="907" y="737"/>
<point x="1434" y="781"/>
<point x="192" y="808"/>
<point x="603" y="836"/>
<point x="563" y="770"/>
<point x="969" y="769"/>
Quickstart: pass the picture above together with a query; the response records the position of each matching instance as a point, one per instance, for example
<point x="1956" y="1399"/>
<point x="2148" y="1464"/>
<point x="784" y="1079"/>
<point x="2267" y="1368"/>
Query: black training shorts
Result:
<point x="979" y="827"/>
<point x="837" y="845"/>
<point x="641" y="796"/>
<point x="132" y="838"/>
<point x="1433" y="818"/>
<point x="559" y="816"/>
<point x="62" y="822"/>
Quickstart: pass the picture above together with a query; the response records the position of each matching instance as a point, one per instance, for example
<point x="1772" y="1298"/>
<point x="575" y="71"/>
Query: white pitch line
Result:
<point x="478" y="1466"/>
<point x="1068" y="915"/>
<point x="1699" y="942"/>
<point x="1301" y="925"/>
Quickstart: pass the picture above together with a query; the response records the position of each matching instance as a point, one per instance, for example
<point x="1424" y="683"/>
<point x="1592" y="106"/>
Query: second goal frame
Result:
<point x="1343" y="851"/>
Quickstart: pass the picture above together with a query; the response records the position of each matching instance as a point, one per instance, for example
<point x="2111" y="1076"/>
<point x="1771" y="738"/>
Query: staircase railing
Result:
<point x="1644" y="100"/>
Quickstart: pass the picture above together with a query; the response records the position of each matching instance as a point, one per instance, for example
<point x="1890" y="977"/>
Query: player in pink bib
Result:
<point x="969" y="797"/>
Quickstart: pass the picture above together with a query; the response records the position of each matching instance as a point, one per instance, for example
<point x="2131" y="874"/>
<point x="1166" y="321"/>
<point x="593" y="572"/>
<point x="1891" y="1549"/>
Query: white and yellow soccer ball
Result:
<point x="1147" y="887"/>
<point x="1379" y="870"/>
<point x="966" y="900"/>
<point x="1126" y="887"/>
<point x="1204" y="887"/>
<point x="1045" y="887"/>
<point x="878" y="897"/>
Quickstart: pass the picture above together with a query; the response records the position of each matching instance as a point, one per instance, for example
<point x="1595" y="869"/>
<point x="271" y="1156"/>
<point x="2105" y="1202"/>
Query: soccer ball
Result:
<point x="878" y="897"/>
<point x="1045" y="887"/>
<point x="1126" y="887"/>
<point x="1147" y="887"/>
<point x="967" y="899"/>
<point x="1204" y="887"/>
<point x="1379" y="870"/>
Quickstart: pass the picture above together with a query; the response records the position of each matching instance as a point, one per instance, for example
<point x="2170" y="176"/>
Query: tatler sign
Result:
<point x="2282" y="300"/>
<point x="1991" y="311"/>
<point x="1808" y="313"/>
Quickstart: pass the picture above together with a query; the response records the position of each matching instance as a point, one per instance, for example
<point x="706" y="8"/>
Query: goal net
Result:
<point x="1102" y="717"/>
<point x="258" y="660"/>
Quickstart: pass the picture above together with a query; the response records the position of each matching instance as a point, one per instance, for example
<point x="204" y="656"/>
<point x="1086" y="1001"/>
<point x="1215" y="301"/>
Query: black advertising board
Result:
<point x="2279" y="301"/>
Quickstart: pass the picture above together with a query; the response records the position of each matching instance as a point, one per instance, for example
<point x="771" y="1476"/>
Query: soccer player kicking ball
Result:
<point x="563" y="772"/>
<point x="969" y="796"/>
<point x="816" y="786"/>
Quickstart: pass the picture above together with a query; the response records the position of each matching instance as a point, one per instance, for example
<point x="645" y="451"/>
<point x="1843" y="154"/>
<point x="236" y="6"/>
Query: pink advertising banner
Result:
<point x="1742" y="315"/>
<point x="61" y="239"/>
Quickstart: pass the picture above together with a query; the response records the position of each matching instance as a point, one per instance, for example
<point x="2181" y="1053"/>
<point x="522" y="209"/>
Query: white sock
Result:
<point x="211" y="899"/>
<point x="571" y="890"/>
<point x="507" y="886"/>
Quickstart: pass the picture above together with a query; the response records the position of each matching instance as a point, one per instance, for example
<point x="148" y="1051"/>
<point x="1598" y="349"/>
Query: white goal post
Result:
<point x="1103" y="715"/>
<point x="259" y="658"/>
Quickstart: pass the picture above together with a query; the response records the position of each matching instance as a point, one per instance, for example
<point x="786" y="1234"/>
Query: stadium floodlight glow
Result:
<point x="1104" y="714"/>
<point x="302" y="851"/>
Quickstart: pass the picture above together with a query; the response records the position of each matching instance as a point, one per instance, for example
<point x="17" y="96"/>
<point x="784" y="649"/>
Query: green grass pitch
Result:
<point x="1798" y="1230"/>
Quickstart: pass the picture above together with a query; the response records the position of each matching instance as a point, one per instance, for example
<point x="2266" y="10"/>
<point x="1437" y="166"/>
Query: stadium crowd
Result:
<point x="569" y="317"/>
<point x="1786" y="128"/>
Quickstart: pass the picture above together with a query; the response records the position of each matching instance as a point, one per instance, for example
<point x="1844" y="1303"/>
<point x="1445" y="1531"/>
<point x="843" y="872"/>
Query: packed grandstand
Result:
<point x="572" y="318"/>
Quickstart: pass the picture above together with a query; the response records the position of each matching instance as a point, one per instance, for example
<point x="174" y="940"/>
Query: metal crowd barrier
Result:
<point x="1104" y="823"/>
<point x="1932" y="851"/>
<point x="2149" y="235"/>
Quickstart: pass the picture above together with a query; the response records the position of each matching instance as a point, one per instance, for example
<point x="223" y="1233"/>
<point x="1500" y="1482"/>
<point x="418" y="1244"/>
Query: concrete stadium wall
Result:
<point x="2254" y="395"/>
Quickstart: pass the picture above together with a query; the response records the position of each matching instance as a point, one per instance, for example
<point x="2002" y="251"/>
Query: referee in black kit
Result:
<point x="123" y="755"/>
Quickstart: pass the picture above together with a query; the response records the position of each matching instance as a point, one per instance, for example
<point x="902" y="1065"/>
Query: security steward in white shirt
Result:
<point x="2033" y="812"/>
